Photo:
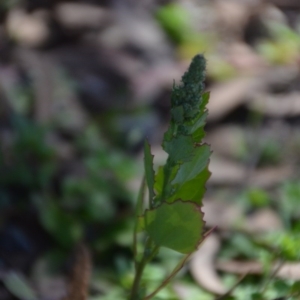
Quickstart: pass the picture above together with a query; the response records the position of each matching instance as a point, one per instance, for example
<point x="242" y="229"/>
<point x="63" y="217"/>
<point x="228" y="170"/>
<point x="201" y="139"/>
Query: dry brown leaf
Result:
<point x="226" y="215"/>
<point x="228" y="172"/>
<point x="202" y="266"/>
<point x="280" y="75"/>
<point x="264" y="220"/>
<point x="227" y="140"/>
<point x="233" y="15"/>
<point x="136" y="29"/>
<point x="284" y="105"/>
<point x="227" y="96"/>
<point x="28" y="29"/>
<point x="270" y="176"/>
<point x="221" y="213"/>
<point x="244" y="58"/>
<point x="225" y="171"/>
<point x="181" y="290"/>
<point x="239" y="267"/>
<point x="284" y="271"/>
<point x="80" y="15"/>
<point x="149" y="83"/>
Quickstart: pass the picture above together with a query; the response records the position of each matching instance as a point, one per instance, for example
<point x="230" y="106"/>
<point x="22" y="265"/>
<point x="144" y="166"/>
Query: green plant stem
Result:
<point x="177" y="268"/>
<point x="167" y="175"/>
<point x="147" y="257"/>
<point x="229" y="292"/>
<point x="137" y="280"/>
<point x="170" y="277"/>
<point x="138" y="210"/>
<point x="271" y="276"/>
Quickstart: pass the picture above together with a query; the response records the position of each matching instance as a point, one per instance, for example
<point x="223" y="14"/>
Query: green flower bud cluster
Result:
<point x="186" y="97"/>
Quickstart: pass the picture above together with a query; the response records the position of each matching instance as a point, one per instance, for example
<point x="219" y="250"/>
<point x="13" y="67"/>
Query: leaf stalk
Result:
<point x="149" y="252"/>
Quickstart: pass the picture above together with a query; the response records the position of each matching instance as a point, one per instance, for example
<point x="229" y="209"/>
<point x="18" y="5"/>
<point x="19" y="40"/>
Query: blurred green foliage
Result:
<point x="7" y="4"/>
<point x="67" y="203"/>
<point x="28" y="161"/>
<point x="284" y="45"/>
<point x="95" y="202"/>
<point x="177" y="23"/>
<point x="258" y="197"/>
<point x="288" y="203"/>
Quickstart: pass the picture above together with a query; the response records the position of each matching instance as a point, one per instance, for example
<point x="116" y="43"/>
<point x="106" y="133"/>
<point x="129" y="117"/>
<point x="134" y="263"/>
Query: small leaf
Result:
<point x="140" y="226"/>
<point x="149" y="172"/>
<point x="197" y="129"/>
<point x="180" y="148"/>
<point x="177" y="114"/>
<point x="192" y="190"/>
<point x="63" y="226"/>
<point x="295" y="288"/>
<point x="178" y="226"/>
<point x="191" y="169"/>
<point x="160" y="182"/>
<point x="190" y="179"/>
<point x="205" y="99"/>
<point x="185" y="173"/>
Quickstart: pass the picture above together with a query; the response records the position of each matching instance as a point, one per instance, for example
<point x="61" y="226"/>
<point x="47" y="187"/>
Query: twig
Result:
<point x="167" y="280"/>
<point x="147" y="257"/>
<point x="223" y="297"/>
<point x="139" y="207"/>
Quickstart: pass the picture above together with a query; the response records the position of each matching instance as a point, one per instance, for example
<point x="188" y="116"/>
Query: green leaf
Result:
<point x="191" y="169"/>
<point x="177" y="113"/>
<point x="295" y="288"/>
<point x="159" y="180"/>
<point x="190" y="179"/>
<point x="149" y="172"/>
<point x="197" y="129"/>
<point x="204" y="101"/>
<point x="175" y="21"/>
<point x="180" y="148"/>
<point x="140" y="226"/>
<point x="192" y="190"/>
<point x="63" y="226"/>
<point x="186" y="171"/>
<point x="178" y="226"/>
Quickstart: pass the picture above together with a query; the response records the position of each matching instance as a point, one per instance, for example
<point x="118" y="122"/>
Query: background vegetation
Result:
<point x="83" y="83"/>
